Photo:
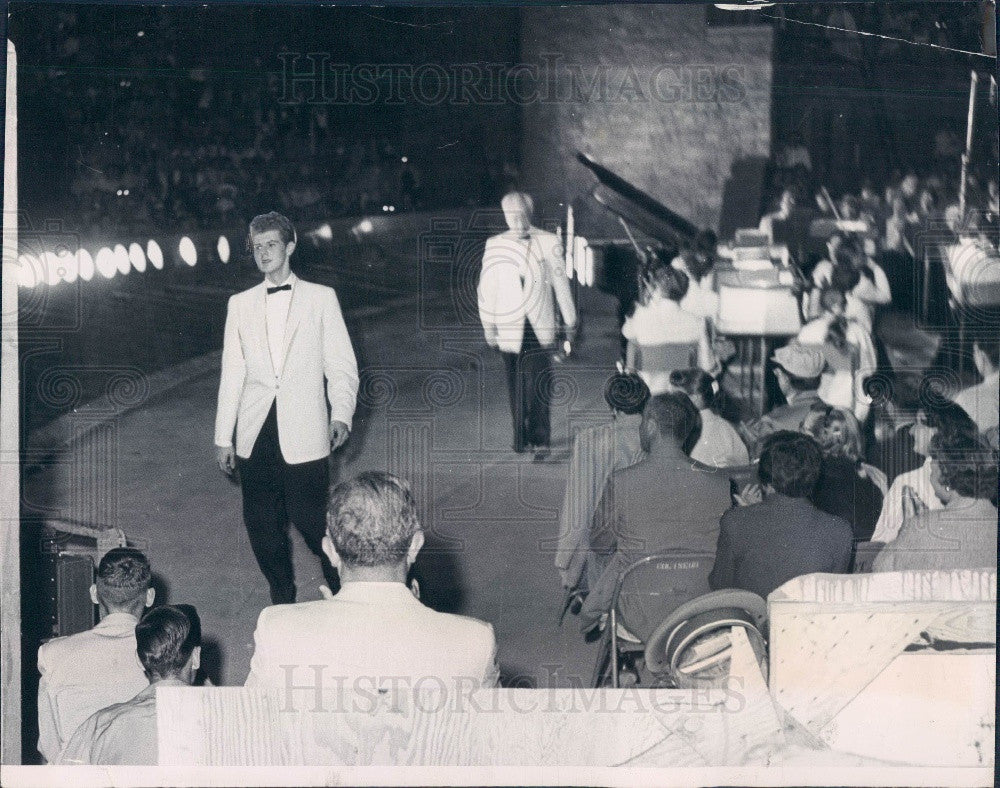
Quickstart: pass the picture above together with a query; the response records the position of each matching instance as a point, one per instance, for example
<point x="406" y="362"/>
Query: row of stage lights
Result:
<point x="51" y="268"/>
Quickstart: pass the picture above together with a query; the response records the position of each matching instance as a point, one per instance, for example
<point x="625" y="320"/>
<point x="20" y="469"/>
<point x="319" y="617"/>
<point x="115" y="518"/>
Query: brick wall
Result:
<point x="651" y="92"/>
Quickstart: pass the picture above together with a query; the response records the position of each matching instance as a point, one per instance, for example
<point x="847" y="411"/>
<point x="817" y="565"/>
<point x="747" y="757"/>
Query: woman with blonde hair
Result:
<point x="847" y="487"/>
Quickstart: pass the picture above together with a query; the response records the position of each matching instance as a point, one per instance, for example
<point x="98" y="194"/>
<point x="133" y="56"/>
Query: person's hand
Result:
<point x="492" y="339"/>
<point x="225" y="456"/>
<point x="325" y="592"/>
<point x="338" y="434"/>
<point x="749" y="495"/>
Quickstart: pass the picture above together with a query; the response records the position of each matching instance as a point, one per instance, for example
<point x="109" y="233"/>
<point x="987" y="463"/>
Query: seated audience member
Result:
<point x="697" y="262"/>
<point x="168" y="642"/>
<point x="962" y="534"/>
<point x="767" y="544"/>
<point x="982" y="401"/>
<point x="660" y="503"/>
<point x="597" y="452"/>
<point x="847" y="487"/>
<point x="374" y="630"/>
<point x="798" y="369"/>
<point x="720" y="445"/>
<point x="659" y="320"/>
<point x="90" y="670"/>
<point x="855" y="271"/>
<point x="912" y="492"/>
<point x="842" y="383"/>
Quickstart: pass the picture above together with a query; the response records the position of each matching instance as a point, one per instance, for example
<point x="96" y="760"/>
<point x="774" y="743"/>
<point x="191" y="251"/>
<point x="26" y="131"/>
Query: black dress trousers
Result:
<point x="527" y="382"/>
<point x="274" y="493"/>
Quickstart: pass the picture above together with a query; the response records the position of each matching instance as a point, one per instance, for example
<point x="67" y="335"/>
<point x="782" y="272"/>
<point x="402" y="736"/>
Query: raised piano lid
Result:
<point x="636" y="207"/>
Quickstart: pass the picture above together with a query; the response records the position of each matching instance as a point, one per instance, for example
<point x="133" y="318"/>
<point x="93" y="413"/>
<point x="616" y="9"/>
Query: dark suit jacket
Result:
<point x="767" y="544"/>
<point x="664" y="502"/>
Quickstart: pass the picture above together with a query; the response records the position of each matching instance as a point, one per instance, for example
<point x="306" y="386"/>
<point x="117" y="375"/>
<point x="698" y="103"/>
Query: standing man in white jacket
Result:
<point x="288" y="387"/>
<point x="523" y="276"/>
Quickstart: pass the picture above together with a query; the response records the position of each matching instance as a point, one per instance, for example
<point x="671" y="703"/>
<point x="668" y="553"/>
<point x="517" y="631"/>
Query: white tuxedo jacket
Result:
<point x="316" y="346"/>
<point x="370" y="635"/>
<point x="505" y="302"/>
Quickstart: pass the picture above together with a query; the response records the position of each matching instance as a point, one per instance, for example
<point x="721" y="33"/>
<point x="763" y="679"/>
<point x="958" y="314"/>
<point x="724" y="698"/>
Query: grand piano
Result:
<point x="758" y="284"/>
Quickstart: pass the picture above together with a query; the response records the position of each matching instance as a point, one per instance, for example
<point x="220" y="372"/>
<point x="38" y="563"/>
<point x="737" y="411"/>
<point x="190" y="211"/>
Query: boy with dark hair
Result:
<point x="168" y="643"/>
<point x="767" y="544"/>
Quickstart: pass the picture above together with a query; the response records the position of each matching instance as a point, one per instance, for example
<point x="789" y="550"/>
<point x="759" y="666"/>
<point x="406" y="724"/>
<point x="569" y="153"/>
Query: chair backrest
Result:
<point x="655" y="585"/>
<point x="666" y="357"/>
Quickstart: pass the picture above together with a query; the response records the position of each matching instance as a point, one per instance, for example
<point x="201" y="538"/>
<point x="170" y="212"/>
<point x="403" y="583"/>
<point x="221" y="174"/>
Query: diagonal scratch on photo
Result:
<point x="592" y="395"/>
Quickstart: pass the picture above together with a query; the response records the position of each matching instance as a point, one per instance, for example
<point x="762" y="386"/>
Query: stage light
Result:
<point x="392" y="209"/>
<point x="155" y="254"/>
<point x="140" y="34"/>
<point x="325" y="232"/>
<point x="50" y="269"/>
<point x="68" y="265"/>
<point x="187" y="251"/>
<point x="119" y="192"/>
<point x="27" y="270"/>
<point x="223" y="248"/>
<point x="105" y="263"/>
<point x="385" y="209"/>
<point x="137" y="257"/>
<point x="121" y="259"/>
<point x="125" y="192"/>
<point x="364" y="226"/>
<point x="405" y="159"/>
<point x="85" y="265"/>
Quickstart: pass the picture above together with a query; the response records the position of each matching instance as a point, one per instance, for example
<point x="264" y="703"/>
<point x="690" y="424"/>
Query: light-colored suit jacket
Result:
<point x="505" y="302"/>
<point x="317" y="346"/>
<point x="83" y="673"/>
<point x="370" y="635"/>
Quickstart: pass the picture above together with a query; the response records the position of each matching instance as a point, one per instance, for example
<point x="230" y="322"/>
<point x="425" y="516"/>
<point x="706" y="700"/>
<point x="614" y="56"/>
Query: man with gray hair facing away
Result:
<point x="523" y="268"/>
<point x="374" y="634"/>
<point x="87" y="671"/>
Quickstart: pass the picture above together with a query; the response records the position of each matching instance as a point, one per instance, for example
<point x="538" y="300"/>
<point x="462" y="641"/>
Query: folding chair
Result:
<point x="666" y="357"/>
<point x="647" y="591"/>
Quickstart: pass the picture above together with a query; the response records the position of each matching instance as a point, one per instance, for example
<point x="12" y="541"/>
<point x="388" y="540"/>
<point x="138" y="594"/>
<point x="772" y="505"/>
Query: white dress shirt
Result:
<point x="277" y="305"/>
<point x="720" y="445"/>
<point x="891" y="519"/>
<point x="83" y="673"/>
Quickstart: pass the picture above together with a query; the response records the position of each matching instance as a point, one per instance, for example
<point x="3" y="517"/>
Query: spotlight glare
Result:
<point x="187" y="251"/>
<point x="69" y="265"/>
<point x="223" y="248"/>
<point x="85" y="264"/>
<point x="50" y="269"/>
<point x="325" y="232"/>
<point x="137" y="257"/>
<point x="365" y="226"/>
<point x="122" y="262"/>
<point x="105" y="263"/>
<point x="27" y="270"/>
<point x="155" y="254"/>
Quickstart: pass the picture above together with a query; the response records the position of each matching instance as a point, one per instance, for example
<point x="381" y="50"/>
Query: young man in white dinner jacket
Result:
<point x="288" y="387"/>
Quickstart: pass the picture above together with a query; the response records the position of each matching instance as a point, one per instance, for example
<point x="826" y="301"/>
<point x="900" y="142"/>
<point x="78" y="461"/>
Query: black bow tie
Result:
<point x="278" y="289"/>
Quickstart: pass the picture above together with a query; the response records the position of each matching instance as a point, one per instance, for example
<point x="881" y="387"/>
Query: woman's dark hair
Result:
<point x="694" y="381"/>
<point x="845" y="276"/>
<point x="165" y="638"/>
<point x="967" y="464"/>
<point x="791" y="463"/>
<point x="950" y="421"/>
<point x="671" y="282"/>
<point x="626" y="393"/>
